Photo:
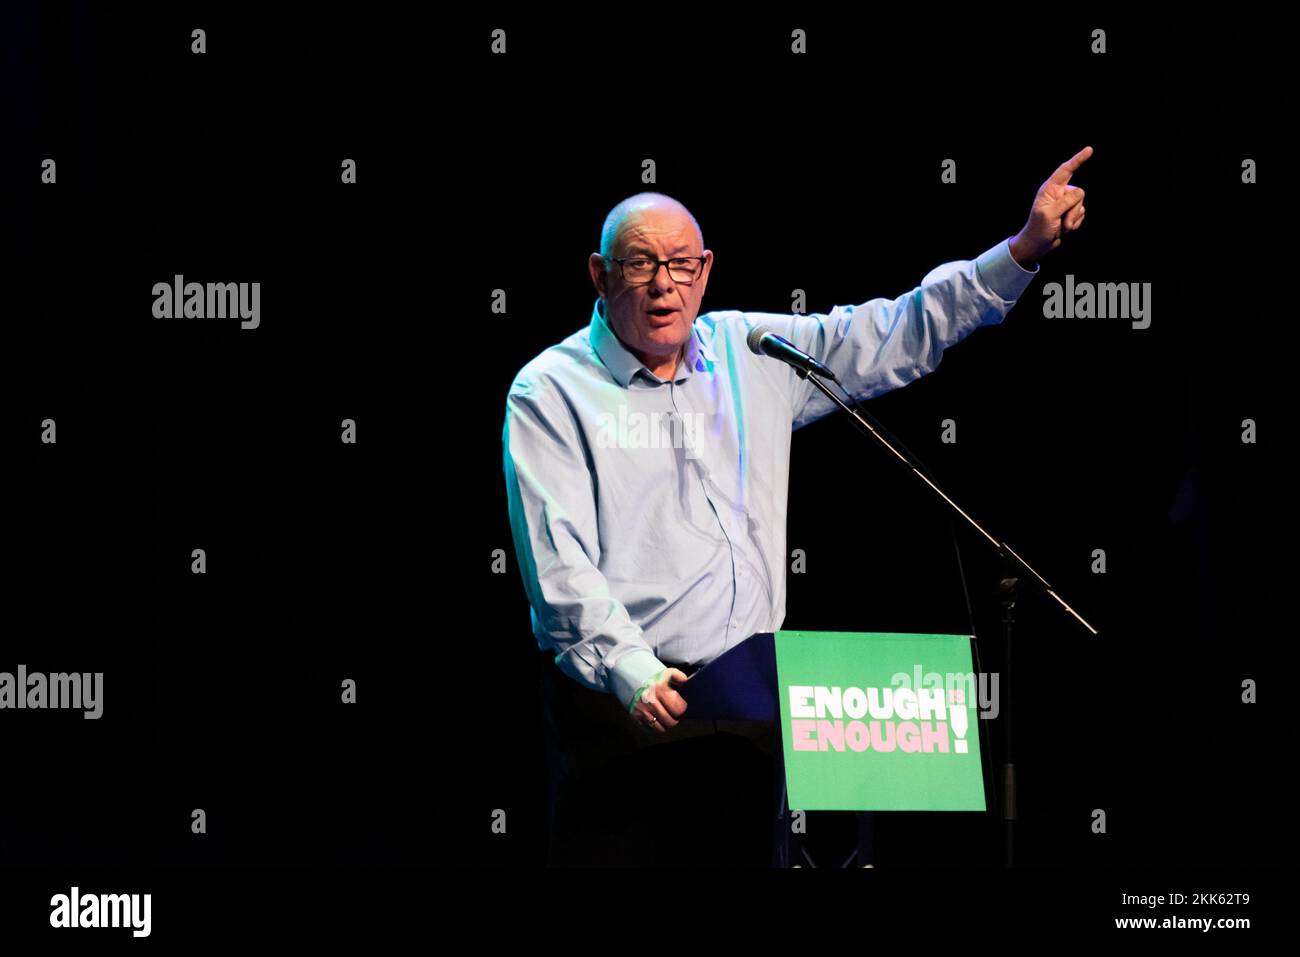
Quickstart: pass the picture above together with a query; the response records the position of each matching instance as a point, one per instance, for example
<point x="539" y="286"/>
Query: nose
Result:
<point x="665" y="285"/>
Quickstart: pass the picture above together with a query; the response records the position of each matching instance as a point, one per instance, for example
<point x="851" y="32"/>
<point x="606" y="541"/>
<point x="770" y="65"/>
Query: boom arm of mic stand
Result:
<point x="1026" y="572"/>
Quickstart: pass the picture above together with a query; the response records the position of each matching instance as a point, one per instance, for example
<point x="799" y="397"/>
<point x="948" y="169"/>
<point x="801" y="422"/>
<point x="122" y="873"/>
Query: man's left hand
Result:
<point x="658" y="706"/>
<point x="1057" y="211"/>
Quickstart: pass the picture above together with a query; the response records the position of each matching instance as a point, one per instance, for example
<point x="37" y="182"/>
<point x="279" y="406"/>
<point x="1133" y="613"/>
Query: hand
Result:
<point x="660" y="706"/>
<point x="1057" y="211"/>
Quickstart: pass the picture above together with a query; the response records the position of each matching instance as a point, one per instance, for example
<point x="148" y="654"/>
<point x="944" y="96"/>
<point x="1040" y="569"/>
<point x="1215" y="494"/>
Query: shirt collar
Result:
<point x="624" y="366"/>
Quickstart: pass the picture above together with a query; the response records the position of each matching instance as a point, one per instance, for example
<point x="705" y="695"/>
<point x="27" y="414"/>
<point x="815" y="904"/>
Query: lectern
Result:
<point x="867" y="722"/>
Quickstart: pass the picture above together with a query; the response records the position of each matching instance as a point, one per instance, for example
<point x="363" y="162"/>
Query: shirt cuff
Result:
<point x="630" y="672"/>
<point x="1002" y="273"/>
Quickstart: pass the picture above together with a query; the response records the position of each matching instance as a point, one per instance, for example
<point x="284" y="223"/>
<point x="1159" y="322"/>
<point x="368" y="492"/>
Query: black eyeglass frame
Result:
<point x="658" y="263"/>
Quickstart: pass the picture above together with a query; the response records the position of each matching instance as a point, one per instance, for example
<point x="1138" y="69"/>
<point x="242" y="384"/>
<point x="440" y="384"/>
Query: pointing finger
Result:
<point x="1066" y="169"/>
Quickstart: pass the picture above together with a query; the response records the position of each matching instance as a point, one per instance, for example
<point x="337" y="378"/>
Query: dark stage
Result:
<point x="1131" y="460"/>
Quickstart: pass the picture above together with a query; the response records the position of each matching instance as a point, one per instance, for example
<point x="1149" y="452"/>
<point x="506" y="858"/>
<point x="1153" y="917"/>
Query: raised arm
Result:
<point x="883" y="344"/>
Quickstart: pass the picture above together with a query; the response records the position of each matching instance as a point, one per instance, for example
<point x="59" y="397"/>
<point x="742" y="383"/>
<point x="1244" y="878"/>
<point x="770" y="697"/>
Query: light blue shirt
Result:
<point x="648" y="514"/>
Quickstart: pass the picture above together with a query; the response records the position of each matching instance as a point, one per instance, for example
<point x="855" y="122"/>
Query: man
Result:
<point x="646" y="464"/>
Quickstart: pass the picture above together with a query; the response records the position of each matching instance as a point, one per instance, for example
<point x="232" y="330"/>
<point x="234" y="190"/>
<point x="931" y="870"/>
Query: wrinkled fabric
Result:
<point x="649" y="514"/>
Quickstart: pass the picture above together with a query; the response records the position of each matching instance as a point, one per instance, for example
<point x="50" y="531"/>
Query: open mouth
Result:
<point x="661" y="313"/>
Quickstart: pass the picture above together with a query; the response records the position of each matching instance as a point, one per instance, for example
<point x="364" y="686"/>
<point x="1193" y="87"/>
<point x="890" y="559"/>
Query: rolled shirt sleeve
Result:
<point x="551" y="502"/>
<point x="883" y="344"/>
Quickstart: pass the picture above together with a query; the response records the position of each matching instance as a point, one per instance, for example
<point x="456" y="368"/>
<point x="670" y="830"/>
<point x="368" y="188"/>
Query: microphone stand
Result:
<point x="1019" y="574"/>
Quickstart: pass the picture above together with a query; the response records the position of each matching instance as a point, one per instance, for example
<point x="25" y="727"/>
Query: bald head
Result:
<point x="642" y="205"/>
<point x="651" y="317"/>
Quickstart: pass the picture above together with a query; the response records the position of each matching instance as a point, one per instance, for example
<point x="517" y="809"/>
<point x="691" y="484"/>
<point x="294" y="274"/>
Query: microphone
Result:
<point x="763" y="341"/>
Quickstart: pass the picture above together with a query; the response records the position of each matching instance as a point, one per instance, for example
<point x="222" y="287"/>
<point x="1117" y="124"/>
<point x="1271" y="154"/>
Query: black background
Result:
<point x="477" y="172"/>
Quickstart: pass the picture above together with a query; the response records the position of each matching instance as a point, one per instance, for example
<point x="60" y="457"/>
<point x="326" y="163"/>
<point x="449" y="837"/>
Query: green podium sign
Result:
<point x="879" y="721"/>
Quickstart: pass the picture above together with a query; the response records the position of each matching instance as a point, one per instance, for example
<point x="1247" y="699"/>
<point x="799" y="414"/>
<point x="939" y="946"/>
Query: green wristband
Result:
<point x="636" y="696"/>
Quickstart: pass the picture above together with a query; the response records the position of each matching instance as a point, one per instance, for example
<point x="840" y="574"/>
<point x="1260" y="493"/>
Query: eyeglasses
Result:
<point x="639" y="270"/>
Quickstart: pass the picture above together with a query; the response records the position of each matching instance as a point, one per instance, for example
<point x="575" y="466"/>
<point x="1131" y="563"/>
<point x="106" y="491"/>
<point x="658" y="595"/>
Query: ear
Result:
<point x="703" y="281"/>
<point x="596" y="266"/>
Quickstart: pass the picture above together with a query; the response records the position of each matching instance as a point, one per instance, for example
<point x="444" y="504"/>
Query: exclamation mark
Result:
<point x="958" y="718"/>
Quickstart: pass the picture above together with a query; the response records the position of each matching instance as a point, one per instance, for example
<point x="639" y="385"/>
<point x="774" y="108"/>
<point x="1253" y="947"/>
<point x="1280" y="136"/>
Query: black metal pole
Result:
<point x="1020" y="574"/>
<point x="1007" y="597"/>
